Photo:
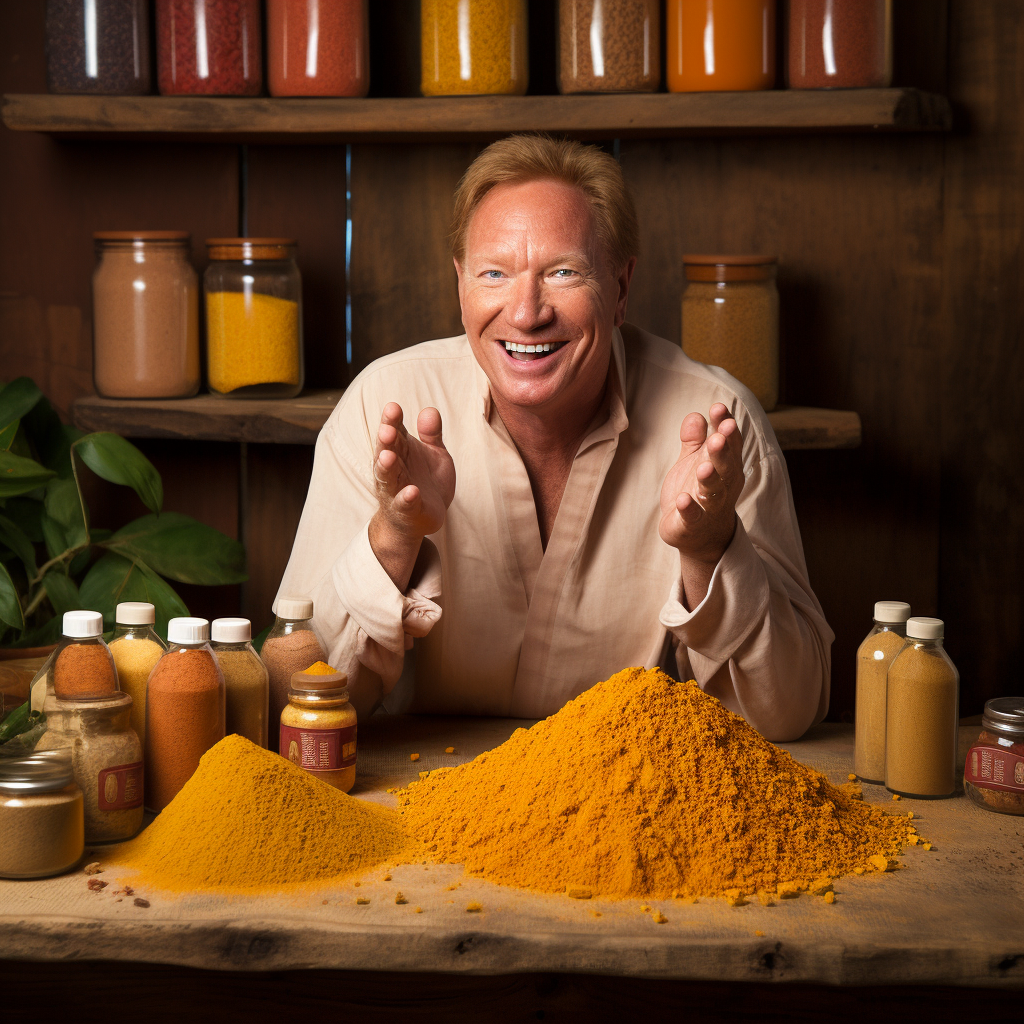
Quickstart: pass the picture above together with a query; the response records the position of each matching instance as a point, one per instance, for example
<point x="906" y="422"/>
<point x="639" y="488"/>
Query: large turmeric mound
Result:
<point x="644" y="786"/>
<point x="250" y="821"/>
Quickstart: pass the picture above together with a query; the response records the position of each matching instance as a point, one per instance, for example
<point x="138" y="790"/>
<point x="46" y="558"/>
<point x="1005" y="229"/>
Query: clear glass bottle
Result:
<point x="994" y="770"/>
<point x="874" y="656"/>
<point x="731" y="319"/>
<point x="839" y="45"/>
<point x="82" y="666"/>
<point x="253" y="318"/>
<point x="609" y="46"/>
<point x="318" y="728"/>
<point x="136" y="647"/>
<point x="246" y="680"/>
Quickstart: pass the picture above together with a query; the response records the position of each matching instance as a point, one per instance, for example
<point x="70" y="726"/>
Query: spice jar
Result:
<point x="731" y="319"/>
<point x="42" y="823"/>
<point x="292" y="645"/>
<point x="145" y="315"/>
<point x="720" y="45"/>
<point x="318" y="726"/>
<point x="874" y="656"/>
<point x="246" y="680"/>
<point x="839" y="45"/>
<point x="473" y="47"/>
<point x="136" y="647"/>
<point x="82" y="666"/>
<point x="921" y="714"/>
<point x="106" y="757"/>
<point x="210" y="47"/>
<point x="318" y="47"/>
<point x="98" y="46"/>
<point x="609" y="46"/>
<point x="994" y="771"/>
<point x="253" y="318"/>
<point x="184" y="710"/>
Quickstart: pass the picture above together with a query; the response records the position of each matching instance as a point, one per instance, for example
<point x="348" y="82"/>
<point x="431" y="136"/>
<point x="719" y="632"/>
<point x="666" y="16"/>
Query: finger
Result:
<point x="390" y="438"/>
<point x="689" y="510"/>
<point x="389" y="472"/>
<point x="428" y="426"/>
<point x="694" y="431"/>
<point x="725" y="452"/>
<point x="711" y="490"/>
<point x="407" y="501"/>
<point x="719" y="413"/>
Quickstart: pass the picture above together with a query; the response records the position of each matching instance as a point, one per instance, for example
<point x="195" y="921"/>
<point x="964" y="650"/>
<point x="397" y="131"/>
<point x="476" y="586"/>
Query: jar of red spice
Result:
<point x="840" y="45"/>
<point x="994" y="770"/>
<point x="318" y="48"/>
<point x="208" y="47"/>
<point x="83" y="668"/>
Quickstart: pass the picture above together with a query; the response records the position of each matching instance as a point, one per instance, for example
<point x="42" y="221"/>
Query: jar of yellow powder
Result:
<point x="318" y="727"/>
<point x="136" y="648"/>
<point x="253" y="318"/>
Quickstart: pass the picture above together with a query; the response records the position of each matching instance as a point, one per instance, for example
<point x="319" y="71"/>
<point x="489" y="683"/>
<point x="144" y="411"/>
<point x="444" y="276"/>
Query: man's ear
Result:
<point x="623" y="279"/>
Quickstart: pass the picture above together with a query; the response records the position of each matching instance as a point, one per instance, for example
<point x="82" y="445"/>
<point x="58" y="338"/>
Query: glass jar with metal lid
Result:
<point x="318" y="727"/>
<point x="253" y="318"/>
<point x="994" y="770"/>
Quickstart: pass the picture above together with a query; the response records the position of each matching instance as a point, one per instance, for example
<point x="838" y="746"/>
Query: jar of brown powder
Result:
<point x="83" y="668"/>
<point x="994" y="770"/>
<point x="844" y="45"/>
<point x="246" y="681"/>
<point x="609" y="45"/>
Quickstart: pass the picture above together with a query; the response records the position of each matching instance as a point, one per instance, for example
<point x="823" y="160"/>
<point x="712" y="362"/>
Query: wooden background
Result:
<point x="901" y="266"/>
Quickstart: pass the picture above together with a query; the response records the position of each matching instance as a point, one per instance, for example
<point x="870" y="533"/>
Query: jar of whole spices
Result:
<point x="246" y="680"/>
<point x="473" y="47"/>
<point x="921" y="714"/>
<point x="145" y="314"/>
<point x="994" y="771"/>
<point x="184" y="710"/>
<point x="136" y="648"/>
<point x="42" y="822"/>
<point x="731" y="319"/>
<point x="292" y="645"/>
<point x="318" y="727"/>
<point x="253" y="318"/>
<point x="82" y="666"/>
<point x="98" y="46"/>
<point x="609" y="46"/>
<point x="840" y="45"/>
<point x="874" y="656"/>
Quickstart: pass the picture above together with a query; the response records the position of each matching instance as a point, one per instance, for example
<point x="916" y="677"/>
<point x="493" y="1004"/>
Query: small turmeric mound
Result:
<point x="249" y="821"/>
<point x="645" y="787"/>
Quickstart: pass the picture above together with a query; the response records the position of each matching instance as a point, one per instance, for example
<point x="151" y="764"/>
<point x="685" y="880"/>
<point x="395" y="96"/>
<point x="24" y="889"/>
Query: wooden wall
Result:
<point x="900" y="260"/>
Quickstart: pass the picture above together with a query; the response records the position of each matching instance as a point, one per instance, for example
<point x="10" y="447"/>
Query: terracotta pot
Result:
<point x="16" y="653"/>
<point x="18" y="666"/>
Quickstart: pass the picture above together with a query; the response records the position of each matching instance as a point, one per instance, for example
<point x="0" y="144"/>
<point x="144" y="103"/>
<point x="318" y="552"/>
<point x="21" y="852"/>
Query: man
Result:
<point x="544" y="501"/>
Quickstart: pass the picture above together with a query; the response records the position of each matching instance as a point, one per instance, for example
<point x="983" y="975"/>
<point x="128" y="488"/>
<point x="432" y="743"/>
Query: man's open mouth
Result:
<point x="530" y="352"/>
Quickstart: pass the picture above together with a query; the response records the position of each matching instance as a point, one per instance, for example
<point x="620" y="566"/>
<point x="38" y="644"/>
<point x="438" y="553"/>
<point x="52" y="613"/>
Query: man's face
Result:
<point x="536" y="277"/>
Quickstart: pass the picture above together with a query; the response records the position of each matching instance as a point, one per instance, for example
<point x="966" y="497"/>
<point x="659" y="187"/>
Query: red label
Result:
<point x="994" y="768"/>
<point x="120" y="787"/>
<point x="319" y="750"/>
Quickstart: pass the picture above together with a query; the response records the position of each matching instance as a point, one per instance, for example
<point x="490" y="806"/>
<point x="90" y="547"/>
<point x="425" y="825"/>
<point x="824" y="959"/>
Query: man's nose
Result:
<point x="530" y="308"/>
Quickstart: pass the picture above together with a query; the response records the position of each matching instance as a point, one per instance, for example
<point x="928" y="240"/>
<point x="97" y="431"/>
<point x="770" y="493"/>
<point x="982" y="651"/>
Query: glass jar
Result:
<point x="98" y="46"/>
<point x="136" y="648"/>
<point x="874" y="656"/>
<point x="922" y="715"/>
<point x="839" y="45"/>
<point x="145" y="315"/>
<point x="318" y="728"/>
<point x="83" y="668"/>
<point x="473" y="47"/>
<point x="253" y="318"/>
<point x="106" y="756"/>
<point x="246" y="680"/>
<point x="731" y="319"/>
<point x="208" y="47"/>
<point x="318" y="47"/>
<point x="720" y="45"/>
<point x="994" y="771"/>
<point x="609" y="46"/>
<point x="42" y="821"/>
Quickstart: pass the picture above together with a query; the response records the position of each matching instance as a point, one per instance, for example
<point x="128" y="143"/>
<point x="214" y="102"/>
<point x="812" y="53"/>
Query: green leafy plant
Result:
<point x="53" y="560"/>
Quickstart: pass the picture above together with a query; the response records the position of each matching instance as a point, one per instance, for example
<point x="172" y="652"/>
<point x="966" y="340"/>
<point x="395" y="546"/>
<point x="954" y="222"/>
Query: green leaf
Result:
<point x="80" y="562"/>
<point x="8" y="434"/>
<point x="62" y="592"/>
<point x="53" y="536"/>
<point x="10" y="606"/>
<point x="19" y="475"/>
<point x="182" y="549"/>
<point x="64" y="504"/>
<point x="51" y="438"/>
<point x="260" y="638"/>
<point x="48" y="633"/>
<point x="119" y="461"/>
<point x="17" y="399"/>
<point x="26" y="515"/>
<point x="115" y="578"/>
<point x="15" y="538"/>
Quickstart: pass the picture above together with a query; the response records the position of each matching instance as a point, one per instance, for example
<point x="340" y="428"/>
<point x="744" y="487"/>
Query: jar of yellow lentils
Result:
<point x="473" y="47"/>
<point x="253" y="318"/>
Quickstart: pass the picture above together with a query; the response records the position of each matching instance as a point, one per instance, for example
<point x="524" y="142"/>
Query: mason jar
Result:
<point x="318" y="728"/>
<point x="609" y="46"/>
<point x="994" y="770"/>
<point x="839" y="45"/>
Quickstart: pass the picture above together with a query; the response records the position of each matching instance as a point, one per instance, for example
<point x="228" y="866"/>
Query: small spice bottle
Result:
<point x="318" y="726"/>
<point x="839" y="45"/>
<point x="246" y="680"/>
<point x="82" y="666"/>
<point x="253" y="318"/>
<point x="42" y="823"/>
<point x="136" y="647"/>
<point x="994" y="771"/>
<point x="921" y="716"/>
<point x="184" y="710"/>
<point x="874" y="656"/>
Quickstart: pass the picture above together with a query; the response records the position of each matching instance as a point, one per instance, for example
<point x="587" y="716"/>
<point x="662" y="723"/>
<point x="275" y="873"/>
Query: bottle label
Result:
<point x="120" y="787"/>
<point x="319" y="750"/>
<point x="995" y="768"/>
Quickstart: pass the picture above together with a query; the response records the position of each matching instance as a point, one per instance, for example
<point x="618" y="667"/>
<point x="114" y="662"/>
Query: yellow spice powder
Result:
<point x="134" y="658"/>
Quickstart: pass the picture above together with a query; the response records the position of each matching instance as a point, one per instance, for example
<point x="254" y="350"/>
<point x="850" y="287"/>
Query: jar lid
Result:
<point x="1004" y="714"/>
<point x="40" y="772"/>
<point x="251" y="248"/>
<point x="118" y="702"/>
<point x="294" y="608"/>
<point x="892" y="611"/>
<point x="188" y="630"/>
<point x="231" y="631"/>
<point x="82" y="624"/>
<point x="729" y="268"/>
<point x="922" y="628"/>
<point x="340" y="693"/>
<point x="318" y="681"/>
<point x="135" y="613"/>
<point x="141" y="236"/>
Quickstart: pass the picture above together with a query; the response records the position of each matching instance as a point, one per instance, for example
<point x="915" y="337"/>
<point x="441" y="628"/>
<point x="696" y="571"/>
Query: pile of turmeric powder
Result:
<point x="647" y="787"/>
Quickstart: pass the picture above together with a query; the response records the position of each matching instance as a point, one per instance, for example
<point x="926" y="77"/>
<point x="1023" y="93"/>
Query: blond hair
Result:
<point x="522" y="158"/>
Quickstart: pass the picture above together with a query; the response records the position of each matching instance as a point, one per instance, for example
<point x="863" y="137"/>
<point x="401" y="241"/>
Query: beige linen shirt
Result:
<point x="497" y="625"/>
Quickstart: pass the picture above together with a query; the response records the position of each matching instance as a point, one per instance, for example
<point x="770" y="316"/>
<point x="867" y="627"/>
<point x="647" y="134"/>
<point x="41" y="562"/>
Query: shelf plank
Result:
<point x="298" y="420"/>
<point x="408" y="119"/>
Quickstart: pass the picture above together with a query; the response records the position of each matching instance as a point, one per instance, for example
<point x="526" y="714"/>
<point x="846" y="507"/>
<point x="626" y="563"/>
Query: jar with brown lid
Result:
<point x="609" y="46"/>
<point x="994" y="770"/>
<point x="844" y="45"/>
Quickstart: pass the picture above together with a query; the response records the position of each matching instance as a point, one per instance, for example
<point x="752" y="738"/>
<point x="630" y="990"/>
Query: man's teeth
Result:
<point x="511" y="346"/>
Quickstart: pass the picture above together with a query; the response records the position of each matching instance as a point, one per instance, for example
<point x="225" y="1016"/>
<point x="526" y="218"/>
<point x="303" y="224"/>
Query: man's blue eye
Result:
<point x="493" y="274"/>
<point x="564" y="272"/>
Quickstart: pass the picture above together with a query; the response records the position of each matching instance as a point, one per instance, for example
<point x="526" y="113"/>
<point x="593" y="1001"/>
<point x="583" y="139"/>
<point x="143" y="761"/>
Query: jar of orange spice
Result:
<point x="83" y="668"/>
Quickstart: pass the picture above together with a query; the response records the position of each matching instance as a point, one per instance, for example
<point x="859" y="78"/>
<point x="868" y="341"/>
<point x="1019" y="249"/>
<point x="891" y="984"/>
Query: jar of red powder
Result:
<point x="318" y="48"/>
<point x="208" y="47"/>
<point x="836" y="45"/>
<point x="83" y="668"/>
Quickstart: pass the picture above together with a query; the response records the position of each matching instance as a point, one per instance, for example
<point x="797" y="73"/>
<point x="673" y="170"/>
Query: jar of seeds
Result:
<point x="609" y="46"/>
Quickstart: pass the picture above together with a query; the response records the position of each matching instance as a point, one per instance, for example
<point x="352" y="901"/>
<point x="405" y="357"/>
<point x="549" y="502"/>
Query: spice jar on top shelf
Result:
<point x="246" y="681"/>
<point x="136" y="647"/>
<point x="994" y="771"/>
<point x="839" y="45"/>
<point x="82" y="667"/>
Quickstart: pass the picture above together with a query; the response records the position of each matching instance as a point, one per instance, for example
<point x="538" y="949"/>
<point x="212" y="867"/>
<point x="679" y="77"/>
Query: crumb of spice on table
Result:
<point x="414" y="757"/>
<point x="449" y="750"/>
<point x="93" y="868"/>
<point x="659" y="917"/>
<point x="474" y="908"/>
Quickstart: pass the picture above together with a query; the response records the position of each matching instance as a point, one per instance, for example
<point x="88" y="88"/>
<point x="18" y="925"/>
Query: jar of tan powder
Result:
<point x="246" y="680"/>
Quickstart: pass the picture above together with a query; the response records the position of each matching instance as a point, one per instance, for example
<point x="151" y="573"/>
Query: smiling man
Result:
<point x="562" y="498"/>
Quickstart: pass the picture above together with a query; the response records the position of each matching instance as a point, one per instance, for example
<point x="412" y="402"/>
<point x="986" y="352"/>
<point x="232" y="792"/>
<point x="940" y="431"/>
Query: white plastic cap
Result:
<point x="82" y="624"/>
<point x="231" y="631"/>
<point x="921" y="628"/>
<point x="892" y="611"/>
<point x="294" y="608"/>
<point x="187" y="630"/>
<point x="135" y="613"/>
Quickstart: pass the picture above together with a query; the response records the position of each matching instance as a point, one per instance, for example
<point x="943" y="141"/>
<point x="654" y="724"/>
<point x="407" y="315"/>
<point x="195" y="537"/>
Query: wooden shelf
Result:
<point x="298" y="420"/>
<point x="628" y="115"/>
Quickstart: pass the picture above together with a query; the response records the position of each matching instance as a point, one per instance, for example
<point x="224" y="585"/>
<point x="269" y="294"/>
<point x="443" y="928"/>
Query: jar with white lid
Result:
<point x="136" y="647"/>
<point x="246" y="680"/>
<point x="82" y="666"/>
